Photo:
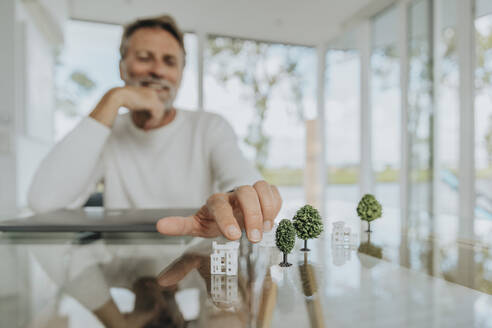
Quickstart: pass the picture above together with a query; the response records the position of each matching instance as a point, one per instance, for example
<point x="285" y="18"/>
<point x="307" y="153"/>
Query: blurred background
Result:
<point x="330" y="99"/>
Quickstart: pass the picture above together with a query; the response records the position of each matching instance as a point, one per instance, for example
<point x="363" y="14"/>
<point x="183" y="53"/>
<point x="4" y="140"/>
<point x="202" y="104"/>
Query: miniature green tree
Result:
<point x="285" y="238"/>
<point x="308" y="224"/>
<point x="369" y="209"/>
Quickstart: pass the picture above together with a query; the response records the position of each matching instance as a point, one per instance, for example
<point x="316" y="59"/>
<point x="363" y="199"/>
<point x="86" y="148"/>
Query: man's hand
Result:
<point x="252" y="208"/>
<point x="144" y="102"/>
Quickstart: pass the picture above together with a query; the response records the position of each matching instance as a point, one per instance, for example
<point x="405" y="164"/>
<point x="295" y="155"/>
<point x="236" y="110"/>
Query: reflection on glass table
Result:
<point x="152" y="282"/>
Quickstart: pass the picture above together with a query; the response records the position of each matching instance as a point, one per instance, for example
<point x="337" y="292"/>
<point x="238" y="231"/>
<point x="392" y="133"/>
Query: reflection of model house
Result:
<point x="223" y="259"/>
<point x="223" y="289"/>
<point x="341" y="255"/>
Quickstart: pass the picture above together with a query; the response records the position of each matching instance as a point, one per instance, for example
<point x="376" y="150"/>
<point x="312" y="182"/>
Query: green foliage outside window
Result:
<point x="251" y="66"/>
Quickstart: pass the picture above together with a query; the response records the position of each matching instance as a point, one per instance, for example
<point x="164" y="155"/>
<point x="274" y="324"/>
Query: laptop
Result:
<point x="93" y="219"/>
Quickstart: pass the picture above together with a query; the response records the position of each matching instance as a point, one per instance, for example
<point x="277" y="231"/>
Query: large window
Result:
<point x="483" y="109"/>
<point x="267" y="93"/>
<point x="342" y="120"/>
<point x="386" y="107"/>
<point x="420" y="106"/>
<point x="87" y="67"/>
<point x="447" y="104"/>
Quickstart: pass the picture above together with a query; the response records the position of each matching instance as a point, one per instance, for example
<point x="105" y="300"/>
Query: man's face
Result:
<point x="154" y="59"/>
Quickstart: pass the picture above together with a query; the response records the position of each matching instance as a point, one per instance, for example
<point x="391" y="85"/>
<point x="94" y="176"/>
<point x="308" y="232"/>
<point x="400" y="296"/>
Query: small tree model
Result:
<point x="369" y="209"/>
<point x="285" y="238"/>
<point x="308" y="224"/>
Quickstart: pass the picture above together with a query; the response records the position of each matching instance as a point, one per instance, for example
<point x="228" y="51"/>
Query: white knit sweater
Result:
<point x="178" y="165"/>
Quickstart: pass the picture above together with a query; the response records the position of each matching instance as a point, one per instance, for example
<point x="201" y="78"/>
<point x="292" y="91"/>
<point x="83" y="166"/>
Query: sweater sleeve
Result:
<point x="229" y="166"/>
<point x="68" y="174"/>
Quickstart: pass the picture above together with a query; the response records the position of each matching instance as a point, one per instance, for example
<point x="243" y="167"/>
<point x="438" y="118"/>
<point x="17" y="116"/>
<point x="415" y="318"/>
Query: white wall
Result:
<point x="7" y="107"/>
<point x="30" y="32"/>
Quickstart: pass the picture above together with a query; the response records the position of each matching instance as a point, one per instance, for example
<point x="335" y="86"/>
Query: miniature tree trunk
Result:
<point x="305" y="249"/>
<point x="284" y="263"/>
<point x="368" y="226"/>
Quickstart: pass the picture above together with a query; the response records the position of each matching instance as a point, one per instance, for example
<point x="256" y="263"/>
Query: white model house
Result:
<point x="343" y="242"/>
<point x="223" y="259"/>
<point x="342" y="235"/>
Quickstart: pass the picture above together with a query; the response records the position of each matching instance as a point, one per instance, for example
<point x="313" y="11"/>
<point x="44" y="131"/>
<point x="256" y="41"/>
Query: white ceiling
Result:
<point x="306" y="22"/>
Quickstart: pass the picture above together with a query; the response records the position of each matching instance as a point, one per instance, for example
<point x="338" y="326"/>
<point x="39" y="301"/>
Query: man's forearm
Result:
<point x="70" y="168"/>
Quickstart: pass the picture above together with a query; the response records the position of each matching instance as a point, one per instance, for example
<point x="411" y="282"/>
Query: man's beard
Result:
<point x="167" y="98"/>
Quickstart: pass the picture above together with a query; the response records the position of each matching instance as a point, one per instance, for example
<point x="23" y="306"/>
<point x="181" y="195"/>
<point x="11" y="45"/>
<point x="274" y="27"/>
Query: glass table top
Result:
<point x="417" y="274"/>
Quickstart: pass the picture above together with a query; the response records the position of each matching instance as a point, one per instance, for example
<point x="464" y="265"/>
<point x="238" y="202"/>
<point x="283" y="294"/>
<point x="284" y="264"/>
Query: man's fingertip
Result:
<point x="160" y="225"/>
<point x="233" y="232"/>
<point x="254" y="235"/>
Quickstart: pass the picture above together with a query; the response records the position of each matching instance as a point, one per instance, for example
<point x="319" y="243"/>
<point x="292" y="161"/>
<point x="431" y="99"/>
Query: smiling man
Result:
<point x="157" y="156"/>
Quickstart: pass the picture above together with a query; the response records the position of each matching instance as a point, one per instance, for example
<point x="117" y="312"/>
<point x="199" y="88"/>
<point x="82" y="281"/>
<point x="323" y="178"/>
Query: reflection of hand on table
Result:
<point x="110" y="316"/>
<point x="155" y="306"/>
<point x="229" y="315"/>
<point x="176" y="271"/>
<point x="252" y="208"/>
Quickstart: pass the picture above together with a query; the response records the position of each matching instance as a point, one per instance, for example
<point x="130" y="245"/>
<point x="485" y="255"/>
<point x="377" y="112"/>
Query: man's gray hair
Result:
<point x="165" y="22"/>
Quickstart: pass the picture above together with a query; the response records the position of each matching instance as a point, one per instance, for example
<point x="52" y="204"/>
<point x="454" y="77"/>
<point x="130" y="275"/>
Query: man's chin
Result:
<point x="141" y="117"/>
